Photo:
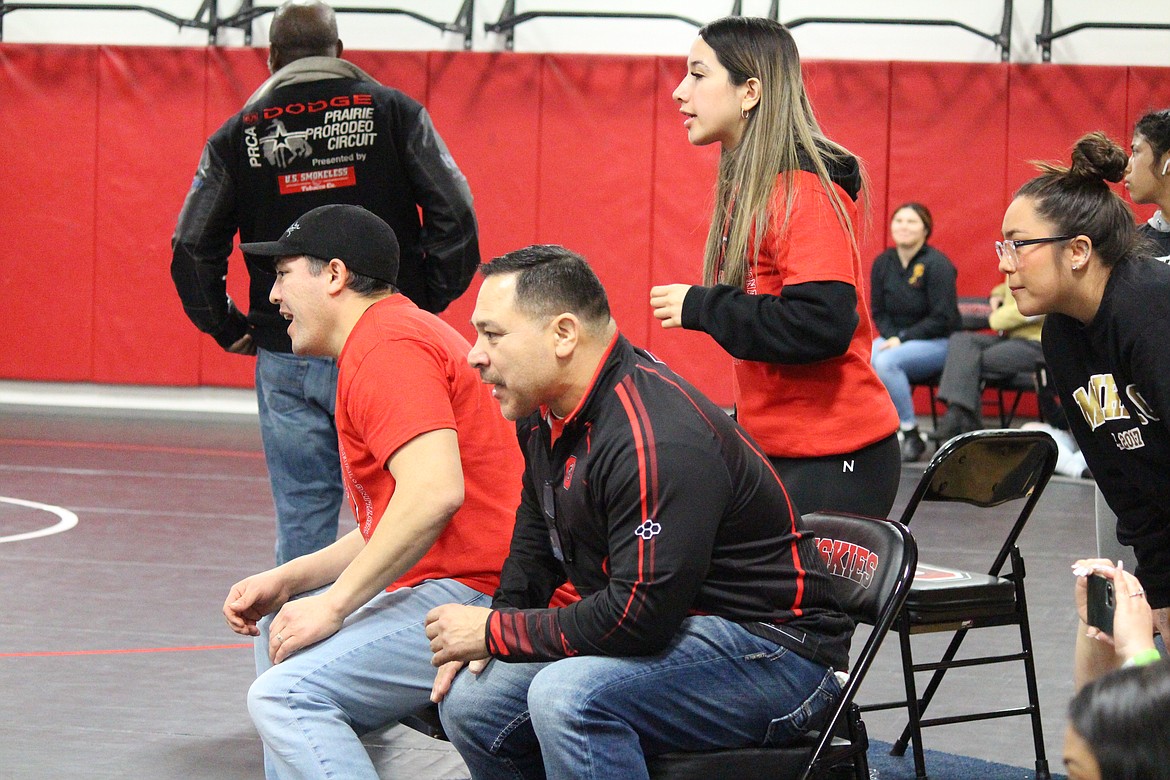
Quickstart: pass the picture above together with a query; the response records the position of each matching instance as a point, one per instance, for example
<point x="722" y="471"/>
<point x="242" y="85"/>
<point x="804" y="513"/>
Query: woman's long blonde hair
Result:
<point x="780" y="131"/>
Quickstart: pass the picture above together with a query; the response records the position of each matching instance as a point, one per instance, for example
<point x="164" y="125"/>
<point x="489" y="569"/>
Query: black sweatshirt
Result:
<point x="915" y="302"/>
<point x="1116" y="372"/>
<point x="1160" y="239"/>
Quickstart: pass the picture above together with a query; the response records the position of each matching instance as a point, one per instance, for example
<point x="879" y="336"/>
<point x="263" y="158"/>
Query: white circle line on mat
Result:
<point x="67" y="520"/>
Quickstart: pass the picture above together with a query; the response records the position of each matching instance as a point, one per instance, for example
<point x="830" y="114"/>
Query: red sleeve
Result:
<point x="814" y="248"/>
<point x="401" y="389"/>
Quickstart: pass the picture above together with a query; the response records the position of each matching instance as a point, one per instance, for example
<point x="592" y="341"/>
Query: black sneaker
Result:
<point x="912" y="445"/>
<point x="955" y="422"/>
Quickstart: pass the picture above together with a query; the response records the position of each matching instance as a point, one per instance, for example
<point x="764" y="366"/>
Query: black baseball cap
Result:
<point x="357" y="237"/>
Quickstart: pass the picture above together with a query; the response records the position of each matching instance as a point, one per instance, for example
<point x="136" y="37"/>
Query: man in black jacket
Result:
<point x="319" y="131"/>
<point x="706" y="616"/>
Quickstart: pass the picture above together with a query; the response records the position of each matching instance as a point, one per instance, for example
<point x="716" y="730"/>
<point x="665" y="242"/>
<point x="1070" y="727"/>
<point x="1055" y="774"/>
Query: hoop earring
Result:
<point x="744" y="115"/>
<point x="1165" y="165"/>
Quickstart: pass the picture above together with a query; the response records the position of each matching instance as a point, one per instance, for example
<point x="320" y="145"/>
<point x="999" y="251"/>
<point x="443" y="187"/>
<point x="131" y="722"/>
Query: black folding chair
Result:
<point x="426" y="722"/>
<point x="1009" y="391"/>
<point x="984" y="469"/>
<point x="853" y="547"/>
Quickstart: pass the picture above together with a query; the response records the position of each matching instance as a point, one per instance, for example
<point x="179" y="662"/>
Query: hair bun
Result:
<point x="1097" y="157"/>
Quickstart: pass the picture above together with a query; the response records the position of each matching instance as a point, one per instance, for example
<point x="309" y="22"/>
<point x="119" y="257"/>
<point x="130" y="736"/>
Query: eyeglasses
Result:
<point x="1010" y="257"/>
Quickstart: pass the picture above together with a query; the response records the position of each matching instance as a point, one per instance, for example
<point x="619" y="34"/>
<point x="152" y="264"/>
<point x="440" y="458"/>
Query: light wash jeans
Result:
<point x="296" y="397"/>
<point x="716" y="685"/>
<point x="312" y="708"/>
<point x="908" y="362"/>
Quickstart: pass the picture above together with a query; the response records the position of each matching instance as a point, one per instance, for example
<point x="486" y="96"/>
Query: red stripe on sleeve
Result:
<point x="495" y="637"/>
<point x="643" y="480"/>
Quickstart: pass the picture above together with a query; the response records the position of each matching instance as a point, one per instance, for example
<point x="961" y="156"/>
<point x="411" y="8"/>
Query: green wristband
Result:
<point x="1150" y="656"/>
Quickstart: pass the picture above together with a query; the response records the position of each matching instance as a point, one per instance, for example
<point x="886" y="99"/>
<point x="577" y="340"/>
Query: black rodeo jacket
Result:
<point x="655" y="505"/>
<point x="321" y="131"/>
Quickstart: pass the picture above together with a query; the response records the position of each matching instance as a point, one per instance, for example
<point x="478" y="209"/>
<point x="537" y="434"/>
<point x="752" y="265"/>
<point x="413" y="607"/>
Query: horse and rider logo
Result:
<point x="281" y="148"/>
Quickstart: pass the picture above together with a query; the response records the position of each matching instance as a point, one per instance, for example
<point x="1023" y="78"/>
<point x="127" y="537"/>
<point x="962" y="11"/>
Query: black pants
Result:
<point x="864" y="482"/>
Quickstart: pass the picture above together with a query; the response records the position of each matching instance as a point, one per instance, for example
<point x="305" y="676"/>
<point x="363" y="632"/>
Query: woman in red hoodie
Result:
<point x="782" y="284"/>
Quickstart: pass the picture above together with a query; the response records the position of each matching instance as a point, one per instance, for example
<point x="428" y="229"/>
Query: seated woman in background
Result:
<point x="1147" y="176"/>
<point x="915" y="309"/>
<point x="973" y="358"/>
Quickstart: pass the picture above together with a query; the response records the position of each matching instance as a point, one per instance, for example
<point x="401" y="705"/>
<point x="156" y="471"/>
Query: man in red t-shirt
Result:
<point x="432" y="473"/>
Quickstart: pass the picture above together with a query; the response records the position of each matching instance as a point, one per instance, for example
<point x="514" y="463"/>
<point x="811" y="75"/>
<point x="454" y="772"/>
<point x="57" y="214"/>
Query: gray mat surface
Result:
<point x="115" y="660"/>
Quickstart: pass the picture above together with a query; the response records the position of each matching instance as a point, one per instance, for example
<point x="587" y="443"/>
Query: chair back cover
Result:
<point x="866" y="557"/>
<point x="987" y="468"/>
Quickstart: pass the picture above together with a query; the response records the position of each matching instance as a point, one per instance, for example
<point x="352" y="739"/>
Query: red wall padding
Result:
<point x="143" y="122"/>
<point x="597" y="171"/>
<point x="49" y="109"/>
<point x="1049" y="111"/>
<point x="682" y="188"/>
<point x="487" y="106"/>
<point x="852" y="105"/>
<point x="947" y="135"/>
<point x="583" y="150"/>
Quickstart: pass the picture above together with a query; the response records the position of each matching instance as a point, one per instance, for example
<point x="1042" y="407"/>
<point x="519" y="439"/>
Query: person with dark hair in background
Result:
<point x="1147" y="177"/>
<point x="915" y="310"/>
<point x="1071" y="251"/>
<point x="431" y="473"/>
<point x="1118" y="728"/>
<point x="319" y="131"/>
<point x="701" y="591"/>
<point x="783" y="287"/>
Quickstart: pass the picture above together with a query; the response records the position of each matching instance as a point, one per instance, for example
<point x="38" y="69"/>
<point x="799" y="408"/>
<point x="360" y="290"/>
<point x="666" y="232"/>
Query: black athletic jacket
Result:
<point x="655" y="505"/>
<point x="1159" y="238"/>
<point x="331" y="139"/>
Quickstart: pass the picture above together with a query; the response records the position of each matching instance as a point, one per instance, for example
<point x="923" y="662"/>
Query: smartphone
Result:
<point x="1101" y="603"/>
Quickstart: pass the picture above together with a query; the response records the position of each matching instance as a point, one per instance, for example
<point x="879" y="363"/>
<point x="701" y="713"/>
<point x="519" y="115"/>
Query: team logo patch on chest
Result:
<point x="648" y="529"/>
<point x="570" y="467"/>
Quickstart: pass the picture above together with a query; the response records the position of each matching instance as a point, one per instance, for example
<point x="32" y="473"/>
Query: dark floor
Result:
<point x="115" y="660"/>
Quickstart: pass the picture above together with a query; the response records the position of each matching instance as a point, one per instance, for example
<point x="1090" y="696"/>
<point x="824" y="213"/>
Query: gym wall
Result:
<point x="578" y="149"/>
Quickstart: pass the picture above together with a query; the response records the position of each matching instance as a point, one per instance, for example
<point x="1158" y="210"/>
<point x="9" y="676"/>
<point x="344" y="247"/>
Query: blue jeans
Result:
<point x="908" y="362"/>
<point x="312" y="708"/>
<point x="296" y="397"/>
<point x="716" y="685"/>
